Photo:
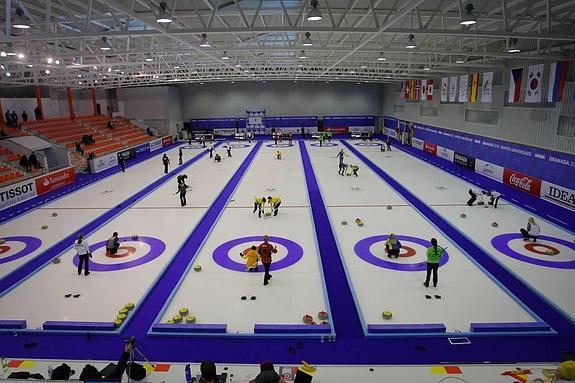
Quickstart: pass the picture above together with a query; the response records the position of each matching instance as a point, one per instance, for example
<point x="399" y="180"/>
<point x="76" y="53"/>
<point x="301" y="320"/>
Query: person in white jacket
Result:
<point x="83" y="250"/>
<point x="532" y="231"/>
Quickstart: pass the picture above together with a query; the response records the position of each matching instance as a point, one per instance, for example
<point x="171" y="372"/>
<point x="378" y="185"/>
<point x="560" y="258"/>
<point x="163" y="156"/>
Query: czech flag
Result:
<point x="557" y="78"/>
<point x="515" y="84"/>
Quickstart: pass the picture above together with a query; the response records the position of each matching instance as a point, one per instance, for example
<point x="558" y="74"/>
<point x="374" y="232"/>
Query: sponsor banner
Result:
<point x="446" y="154"/>
<point x="167" y="140"/>
<point x="16" y="193"/>
<point x="430" y="148"/>
<point x="144" y="148"/>
<point x="128" y="153"/>
<point x="105" y="162"/>
<point x="463" y="160"/>
<point x="488" y="169"/>
<point x="224" y="132"/>
<point x="54" y="180"/>
<point x="417" y="143"/>
<point x="339" y="129"/>
<point x="558" y="194"/>
<point x="361" y="129"/>
<point x="155" y="145"/>
<point x="522" y="182"/>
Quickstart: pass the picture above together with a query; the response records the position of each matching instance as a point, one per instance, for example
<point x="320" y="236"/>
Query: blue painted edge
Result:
<point x="511" y="326"/>
<point x="260" y="328"/>
<point x="12" y="324"/>
<point x="191" y="328"/>
<point x="69" y="325"/>
<point x="407" y="328"/>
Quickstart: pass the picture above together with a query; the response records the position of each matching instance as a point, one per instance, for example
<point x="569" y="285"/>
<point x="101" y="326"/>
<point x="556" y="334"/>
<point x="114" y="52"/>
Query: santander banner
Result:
<point x="430" y="148"/>
<point x="522" y="181"/>
<point x="166" y="140"/>
<point x="55" y="180"/>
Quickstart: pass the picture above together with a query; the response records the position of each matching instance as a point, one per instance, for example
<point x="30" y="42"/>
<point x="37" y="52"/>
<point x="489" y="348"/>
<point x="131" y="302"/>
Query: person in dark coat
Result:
<point x="267" y="374"/>
<point x="113" y="244"/>
<point x="14" y="116"/>
<point x="37" y="113"/>
<point x="25" y="163"/>
<point x="33" y="161"/>
<point x="166" y="162"/>
<point x="266" y="249"/>
<point x="24" y="116"/>
<point x="8" y="118"/>
<point x="180" y="154"/>
<point x="182" y="190"/>
<point x="122" y="163"/>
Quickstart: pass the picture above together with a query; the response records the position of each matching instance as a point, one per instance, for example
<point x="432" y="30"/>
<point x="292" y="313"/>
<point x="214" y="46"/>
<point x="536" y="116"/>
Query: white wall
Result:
<point x="51" y="107"/>
<point x="158" y="107"/>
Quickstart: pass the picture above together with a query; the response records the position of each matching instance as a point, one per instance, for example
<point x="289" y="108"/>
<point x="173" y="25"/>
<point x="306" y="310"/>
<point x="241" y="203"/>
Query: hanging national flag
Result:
<point x="429" y="90"/>
<point x="444" y="86"/>
<point x="474" y="87"/>
<point x="452" y="89"/>
<point x="423" y="94"/>
<point x="486" y="87"/>
<point x="417" y="89"/>
<point x="406" y="88"/>
<point x="557" y="79"/>
<point x="515" y="84"/>
<point x="411" y="89"/>
<point x="534" y="81"/>
<point x="402" y="91"/>
<point x="463" y="84"/>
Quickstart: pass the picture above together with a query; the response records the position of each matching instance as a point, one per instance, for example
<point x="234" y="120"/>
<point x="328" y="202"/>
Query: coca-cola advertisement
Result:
<point x="464" y="160"/>
<point x="430" y="148"/>
<point x="522" y="181"/>
<point x="55" y="180"/>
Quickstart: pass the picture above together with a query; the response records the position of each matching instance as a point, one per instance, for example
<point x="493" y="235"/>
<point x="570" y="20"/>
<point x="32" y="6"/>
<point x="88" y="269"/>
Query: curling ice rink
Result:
<point x="467" y="293"/>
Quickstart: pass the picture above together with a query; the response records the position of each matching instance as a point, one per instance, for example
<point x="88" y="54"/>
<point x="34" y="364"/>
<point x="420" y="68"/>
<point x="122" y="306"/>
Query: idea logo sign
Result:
<point x="522" y="181"/>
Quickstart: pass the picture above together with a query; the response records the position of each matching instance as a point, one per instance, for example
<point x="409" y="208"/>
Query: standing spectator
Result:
<point x="434" y="253"/>
<point x="182" y="190"/>
<point x="532" y="230"/>
<point x="37" y="114"/>
<point x="79" y="148"/>
<point x="14" y="116"/>
<point x="8" y="117"/>
<point x="25" y="163"/>
<point x="149" y="132"/>
<point x="83" y="250"/>
<point x="290" y="138"/>
<point x="92" y="141"/>
<point x="113" y="244"/>
<point x="122" y="163"/>
<point x="267" y="374"/>
<point x="33" y="161"/>
<point x="392" y="246"/>
<point x="266" y="249"/>
<point x="229" y="149"/>
<point x="166" y="162"/>
<point x="109" y="124"/>
<point x="180" y="154"/>
<point x="24" y="117"/>
<point x="388" y="143"/>
<point x="208" y="372"/>
<point x="189" y="138"/>
<point x="211" y="150"/>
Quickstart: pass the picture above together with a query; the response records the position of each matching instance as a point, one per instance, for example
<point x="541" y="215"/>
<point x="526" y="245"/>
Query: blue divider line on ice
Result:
<point x="82" y="180"/>
<point x="534" y="302"/>
<point x="20" y="274"/>
<point x="159" y="295"/>
<point x="346" y="319"/>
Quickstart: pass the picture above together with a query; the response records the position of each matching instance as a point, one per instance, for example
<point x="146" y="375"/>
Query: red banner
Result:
<point x="339" y="129"/>
<point x="430" y="148"/>
<point x="166" y="140"/>
<point x="55" y="180"/>
<point x="522" y="181"/>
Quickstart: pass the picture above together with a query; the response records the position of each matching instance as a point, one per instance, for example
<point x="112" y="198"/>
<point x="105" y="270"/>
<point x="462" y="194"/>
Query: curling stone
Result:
<point x="344" y="222"/>
<point x="360" y="224"/>
<point x="177" y="318"/>
<point x="463" y="215"/>
<point x="129" y="306"/>
<point x="54" y="214"/>
<point x="268" y="214"/>
<point x="56" y="260"/>
<point x="122" y="316"/>
<point x="118" y="322"/>
<point x="307" y="368"/>
<point x="134" y="237"/>
<point x="313" y="323"/>
<point x="387" y="314"/>
<point x="169" y="321"/>
<point x="308" y="319"/>
<point x="184" y="311"/>
<point x="2" y="241"/>
<point x="123" y="311"/>
<point x="494" y="224"/>
<point x="550" y="252"/>
<point x="357" y="220"/>
<point x="190" y="319"/>
<point x="389" y="207"/>
<point x="197" y="268"/>
<point x="324" y="322"/>
<point x="44" y="227"/>
<point x="322" y="315"/>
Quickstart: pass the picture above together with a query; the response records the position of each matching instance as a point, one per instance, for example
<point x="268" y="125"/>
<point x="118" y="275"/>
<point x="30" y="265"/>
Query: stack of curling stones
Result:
<point x="359" y="222"/>
<point x="182" y="315"/>
<point x="387" y="314"/>
<point x="197" y="268"/>
<point x="123" y="314"/>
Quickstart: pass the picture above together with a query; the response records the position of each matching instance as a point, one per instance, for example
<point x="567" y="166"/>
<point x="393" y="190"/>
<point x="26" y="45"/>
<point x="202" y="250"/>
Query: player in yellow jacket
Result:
<point x="252" y="257"/>
<point x="259" y="205"/>
<point x="275" y="203"/>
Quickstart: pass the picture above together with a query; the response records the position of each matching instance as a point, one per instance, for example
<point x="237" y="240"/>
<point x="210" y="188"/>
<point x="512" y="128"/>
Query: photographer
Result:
<point x="116" y="371"/>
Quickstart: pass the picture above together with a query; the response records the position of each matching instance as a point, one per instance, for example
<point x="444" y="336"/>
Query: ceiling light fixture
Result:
<point x="8" y="74"/>
<point x="20" y="20"/>
<point x="302" y="55"/>
<point x="49" y="60"/>
<point x="513" y="48"/>
<point x="426" y="67"/>
<point x="164" y="16"/>
<point x="468" y="17"/>
<point x="381" y="57"/>
<point x="411" y="42"/>
<point x="307" y="41"/>
<point x="459" y="60"/>
<point x="57" y="62"/>
<point x="3" y="54"/>
<point x="205" y="43"/>
<point x="105" y="45"/>
<point x="314" y="14"/>
<point x="47" y="71"/>
<point x="21" y="56"/>
<point x="225" y="56"/>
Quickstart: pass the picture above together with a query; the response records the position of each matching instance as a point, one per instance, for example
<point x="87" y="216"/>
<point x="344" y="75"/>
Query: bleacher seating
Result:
<point x="12" y="132"/>
<point x="124" y="132"/>
<point x="9" y="167"/>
